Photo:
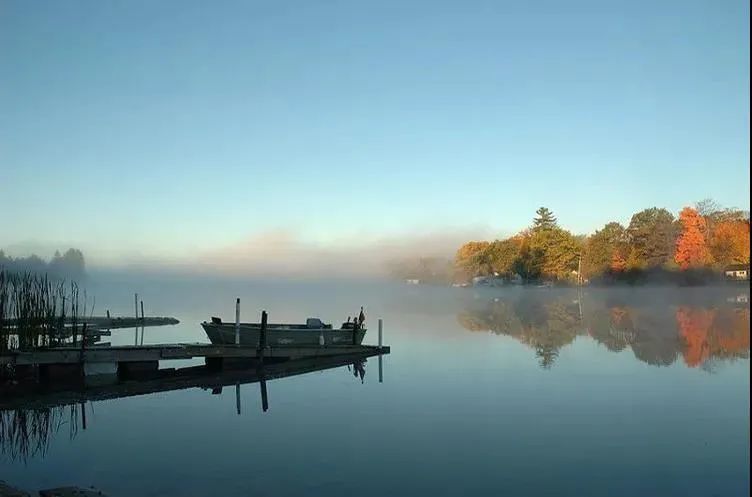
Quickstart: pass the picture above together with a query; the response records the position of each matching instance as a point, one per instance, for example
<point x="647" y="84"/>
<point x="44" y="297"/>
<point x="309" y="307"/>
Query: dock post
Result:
<point x="237" y="397"/>
<point x="381" y="331"/>
<point x="262" y="334"/>
<point x="264" y="398"/>
<point x="108" y="314"/>
<point x="237" y="321"/>
<point x="381" y="368"/>
<point x="135" y="303"/>
<point x="142" y="311"/>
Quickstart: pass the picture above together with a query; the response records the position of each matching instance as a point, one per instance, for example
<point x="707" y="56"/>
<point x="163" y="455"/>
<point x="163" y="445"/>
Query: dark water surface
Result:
<point x="486" y="392"/>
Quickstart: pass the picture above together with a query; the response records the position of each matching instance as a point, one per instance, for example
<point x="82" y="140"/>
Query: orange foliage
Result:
<point x="713" y="333"/>
<point x="730" y="242"/>
<point x="691" y="249"/>
<point x="470" y="249"/>
<point x="694" y="326"/>
<point x="618" y="262"/>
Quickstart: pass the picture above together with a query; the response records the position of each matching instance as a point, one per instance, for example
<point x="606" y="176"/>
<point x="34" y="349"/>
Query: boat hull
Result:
<point x="249" y="335"/>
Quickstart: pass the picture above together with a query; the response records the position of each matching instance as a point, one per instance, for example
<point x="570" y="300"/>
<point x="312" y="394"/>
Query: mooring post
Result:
<point x="142" y="311"/>
<point x="381" y="368"/>
<point x="264" y="398"/>
<point x="237" y="321"/>
<point x="381" y="331"/>
<point x="135" y="303"/>
<point x="237" y="397"/>
<point x="108" y="314"/>
<point x="262" y="334"/>
<point x="83" y="347"/>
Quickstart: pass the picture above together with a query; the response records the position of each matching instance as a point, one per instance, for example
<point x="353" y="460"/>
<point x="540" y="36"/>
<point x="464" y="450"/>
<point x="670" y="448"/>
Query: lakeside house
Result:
<point x="737" y="272"/>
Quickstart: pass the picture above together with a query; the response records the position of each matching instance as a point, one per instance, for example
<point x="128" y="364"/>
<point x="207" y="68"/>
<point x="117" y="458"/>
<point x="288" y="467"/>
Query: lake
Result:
<point x="519" y="391"/>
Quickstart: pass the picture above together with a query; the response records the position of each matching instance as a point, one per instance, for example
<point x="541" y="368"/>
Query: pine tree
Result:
<point x="545" y="220"/>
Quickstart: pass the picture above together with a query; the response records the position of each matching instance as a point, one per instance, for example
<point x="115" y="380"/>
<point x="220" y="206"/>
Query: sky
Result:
<point x="163" y="130"/>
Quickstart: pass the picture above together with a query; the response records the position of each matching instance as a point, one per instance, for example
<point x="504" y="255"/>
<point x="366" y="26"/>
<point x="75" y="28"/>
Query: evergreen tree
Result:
<point x="544" y="220"/>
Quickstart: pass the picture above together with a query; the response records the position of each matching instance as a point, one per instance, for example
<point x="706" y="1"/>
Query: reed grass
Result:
<point x="34" y="310"/>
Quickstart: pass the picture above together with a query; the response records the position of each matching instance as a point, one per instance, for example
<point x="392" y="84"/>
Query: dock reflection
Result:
<point x="32" y="414"/>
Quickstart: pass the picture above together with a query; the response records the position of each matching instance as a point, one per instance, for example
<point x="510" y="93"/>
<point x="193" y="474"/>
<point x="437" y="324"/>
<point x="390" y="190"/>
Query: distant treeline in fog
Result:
<point x="654" y="247"/>
<point x="69" y="265"/>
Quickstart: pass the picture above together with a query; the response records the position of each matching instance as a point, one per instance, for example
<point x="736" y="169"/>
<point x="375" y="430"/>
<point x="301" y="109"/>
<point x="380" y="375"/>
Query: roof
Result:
<point x="737" y="267"/>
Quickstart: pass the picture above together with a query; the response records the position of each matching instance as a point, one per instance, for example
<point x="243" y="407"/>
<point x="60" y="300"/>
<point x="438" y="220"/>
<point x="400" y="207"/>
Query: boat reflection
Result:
<point x="702" y="332"/>
<point x="32" y="414"/>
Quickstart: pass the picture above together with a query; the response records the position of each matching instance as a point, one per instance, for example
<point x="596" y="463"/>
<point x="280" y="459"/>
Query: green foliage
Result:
<point x="502" y="255"/>
<point x="559" y="252"/>
<point x="602" y="249"/>
<point x="529" y="262"/>
<point x="652" y="234"/>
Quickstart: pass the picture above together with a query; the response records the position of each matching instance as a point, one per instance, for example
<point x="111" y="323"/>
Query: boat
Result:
<point x="312" y="332"/>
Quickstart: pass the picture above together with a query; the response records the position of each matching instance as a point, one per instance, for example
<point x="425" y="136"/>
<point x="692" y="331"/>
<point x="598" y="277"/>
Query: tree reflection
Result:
<point x="544" y="325"/>
<point x="656" y="331"/>
<point x="718" y="333"/>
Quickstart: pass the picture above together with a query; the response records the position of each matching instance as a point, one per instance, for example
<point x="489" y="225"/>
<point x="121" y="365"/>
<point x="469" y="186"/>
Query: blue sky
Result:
<point x="167" y="128"/>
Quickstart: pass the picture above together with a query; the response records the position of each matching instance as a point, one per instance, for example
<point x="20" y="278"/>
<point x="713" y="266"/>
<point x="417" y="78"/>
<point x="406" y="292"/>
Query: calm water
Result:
<point x="492" y="392"/>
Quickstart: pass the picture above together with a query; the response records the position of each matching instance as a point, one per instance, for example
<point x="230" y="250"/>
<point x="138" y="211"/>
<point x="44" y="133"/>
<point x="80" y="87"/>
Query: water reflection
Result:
<point x="702" y="333"/>
<point x="32" y="415"/>
<point x="28" y="433"/>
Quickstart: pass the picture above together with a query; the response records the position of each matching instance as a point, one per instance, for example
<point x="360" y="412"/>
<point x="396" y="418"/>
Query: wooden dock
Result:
<point x="150" y="353"/>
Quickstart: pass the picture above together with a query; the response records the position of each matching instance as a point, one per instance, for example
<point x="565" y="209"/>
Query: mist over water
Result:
<point x="628" y="391"/>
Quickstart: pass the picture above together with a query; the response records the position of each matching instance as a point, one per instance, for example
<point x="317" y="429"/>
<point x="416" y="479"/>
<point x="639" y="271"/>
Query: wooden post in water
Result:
<point x="237" y="321"/>
<point x="237" y="397"/>
<point x="381" y="357"/>
<point x="135" y="303"/>
<point x="262" y="333"/>
<point x="83" y="347"/>
<point x="143" y="322"/>
<point x="264" y="398"/>
<point x="108" y="314"/>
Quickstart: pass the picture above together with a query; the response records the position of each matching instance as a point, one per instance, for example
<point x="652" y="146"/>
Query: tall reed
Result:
<point x="34" y="311"/>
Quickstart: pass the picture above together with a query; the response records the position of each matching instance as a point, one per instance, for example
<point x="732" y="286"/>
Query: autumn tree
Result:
<point x="729" y="243"/>
<point x="691" y="249"/>
<point x="606" y="250"/>
<point x="652" y="234"/>
<point x="559" y="250"/>
<point x="529" y="262"/>
<point x="502" y="255"/>
<point x="472" y="259"/>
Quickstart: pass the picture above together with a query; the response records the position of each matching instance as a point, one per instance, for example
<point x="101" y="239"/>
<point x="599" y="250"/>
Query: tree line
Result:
<point x="655" y="246"/>
<point x="70" y="265"/>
